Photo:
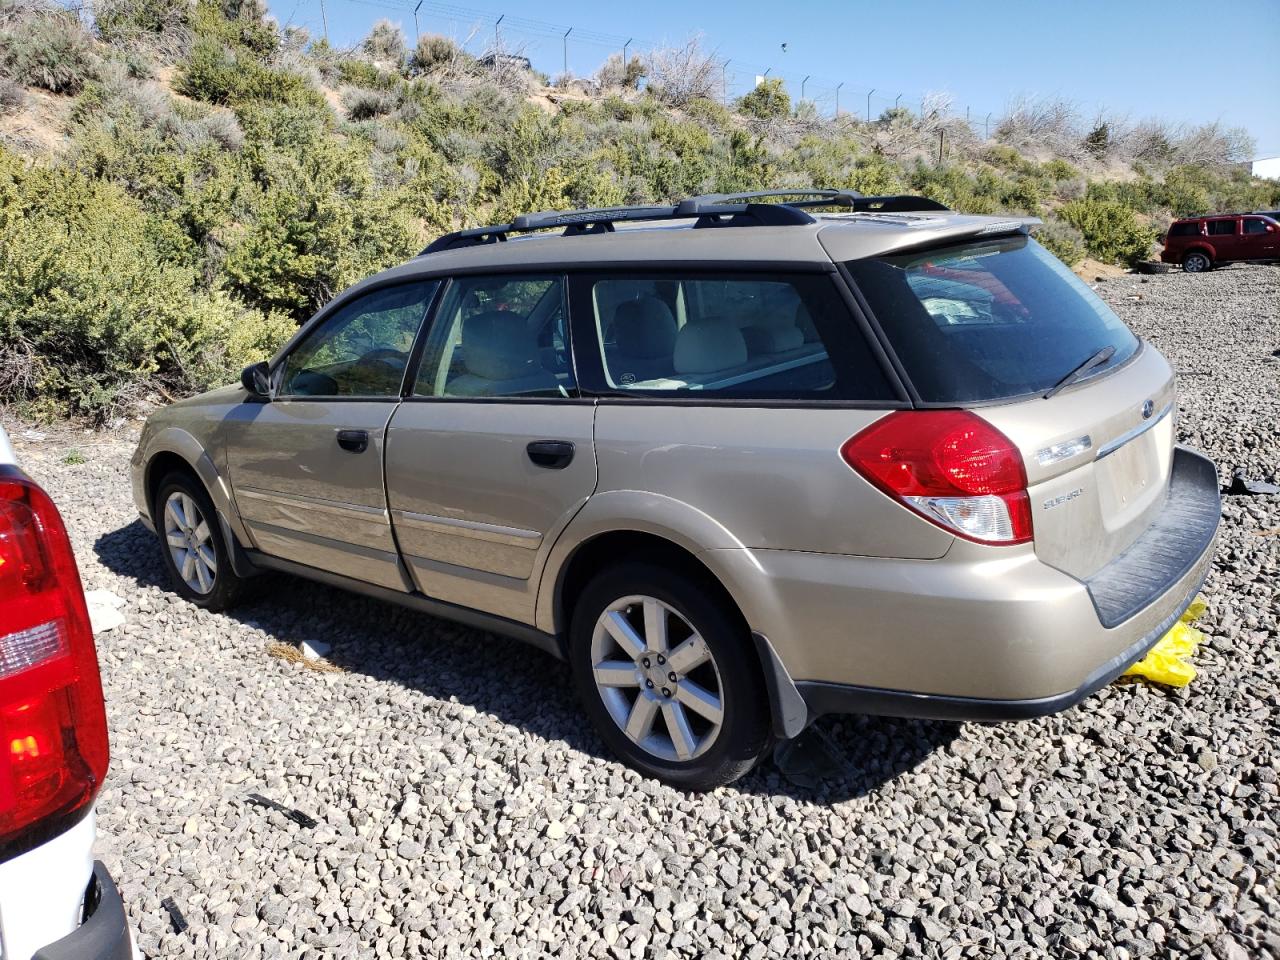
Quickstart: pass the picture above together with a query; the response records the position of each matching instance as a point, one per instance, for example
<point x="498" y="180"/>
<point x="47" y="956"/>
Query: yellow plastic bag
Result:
<point x="1166" y="661"/>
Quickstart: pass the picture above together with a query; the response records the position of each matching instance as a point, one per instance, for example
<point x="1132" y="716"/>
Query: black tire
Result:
<point x="744" y="735"/>
<point x="1197" y="261"/>
<point x="226" y="588"/>
<point x="1152" y="267"/>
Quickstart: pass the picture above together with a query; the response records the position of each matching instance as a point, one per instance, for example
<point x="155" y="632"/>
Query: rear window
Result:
<point x="1185" y="230"/>
<point x="988" y="320"/>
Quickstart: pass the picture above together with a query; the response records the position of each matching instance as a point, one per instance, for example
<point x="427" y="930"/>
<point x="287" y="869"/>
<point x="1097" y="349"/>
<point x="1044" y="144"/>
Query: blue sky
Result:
<point x="1184" y="61"/>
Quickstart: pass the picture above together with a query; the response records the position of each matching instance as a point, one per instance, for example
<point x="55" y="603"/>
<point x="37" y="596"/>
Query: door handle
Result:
<point x="357" y="441"/>
<point x="552" y="454"/>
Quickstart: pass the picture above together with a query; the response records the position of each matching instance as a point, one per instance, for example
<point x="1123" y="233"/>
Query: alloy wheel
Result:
<point x="657" y="678"/>
<point x="190" y="542"/>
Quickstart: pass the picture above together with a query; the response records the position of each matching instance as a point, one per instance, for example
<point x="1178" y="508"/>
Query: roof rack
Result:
<point x="708" y="210"/>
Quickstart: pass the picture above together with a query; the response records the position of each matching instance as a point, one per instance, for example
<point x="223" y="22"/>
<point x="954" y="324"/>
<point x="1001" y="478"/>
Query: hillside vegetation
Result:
<point x="181" y="183"/>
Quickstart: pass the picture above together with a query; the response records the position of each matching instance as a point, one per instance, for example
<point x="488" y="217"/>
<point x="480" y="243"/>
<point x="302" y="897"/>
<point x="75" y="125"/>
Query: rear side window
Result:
<point x="988" y="320"/>
<point x="1185" y="230"/>
<point x="745" y="336"/>
<point x="1254" y="225"/>
<point x="1218" y="228"/>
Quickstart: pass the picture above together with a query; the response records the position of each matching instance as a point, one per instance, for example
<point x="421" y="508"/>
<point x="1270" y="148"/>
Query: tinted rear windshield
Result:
<point x="989" y="320"/>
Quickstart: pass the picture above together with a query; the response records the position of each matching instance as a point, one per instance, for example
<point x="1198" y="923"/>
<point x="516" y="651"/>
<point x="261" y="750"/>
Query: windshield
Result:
<point x="989" y="320"/>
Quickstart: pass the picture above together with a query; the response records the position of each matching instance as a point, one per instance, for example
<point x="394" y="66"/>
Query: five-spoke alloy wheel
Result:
<point x="667" y="672"/>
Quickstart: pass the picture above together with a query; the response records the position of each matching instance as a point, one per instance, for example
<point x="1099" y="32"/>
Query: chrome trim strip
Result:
<point x="315" y="503"/>
<point x="1109" y="448"/>
<point x="473" y="529"/>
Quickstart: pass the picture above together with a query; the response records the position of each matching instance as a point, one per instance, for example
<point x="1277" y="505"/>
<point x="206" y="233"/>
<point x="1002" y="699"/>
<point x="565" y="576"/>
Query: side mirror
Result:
<point x="1271" y="228"/>
<point x="256" y="378"/>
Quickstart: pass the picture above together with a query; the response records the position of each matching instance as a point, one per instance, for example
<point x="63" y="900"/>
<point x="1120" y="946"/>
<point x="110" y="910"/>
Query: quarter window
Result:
<point x="362" y="348"/>
<point x="746" y="336"/>
<point x="1218" y="228"/>
<point x="1184" y="230"/>
<point x="499" y="337"/>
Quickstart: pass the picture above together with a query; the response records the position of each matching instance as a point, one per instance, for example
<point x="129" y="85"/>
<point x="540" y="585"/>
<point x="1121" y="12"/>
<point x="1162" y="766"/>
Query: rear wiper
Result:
<point x="1102" y="356"/>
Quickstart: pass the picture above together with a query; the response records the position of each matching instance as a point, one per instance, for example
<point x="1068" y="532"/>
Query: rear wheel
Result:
<point x="192" y="545"/>
<point x="1196" y="262"/>
<point x="667" y="675"/>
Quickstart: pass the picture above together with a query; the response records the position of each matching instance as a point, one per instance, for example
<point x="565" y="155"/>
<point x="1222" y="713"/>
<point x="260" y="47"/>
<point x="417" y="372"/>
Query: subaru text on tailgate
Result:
<point x="739" y="463"/>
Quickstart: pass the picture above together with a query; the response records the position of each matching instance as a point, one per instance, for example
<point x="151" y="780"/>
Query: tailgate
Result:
<point x="1098" y="459"/>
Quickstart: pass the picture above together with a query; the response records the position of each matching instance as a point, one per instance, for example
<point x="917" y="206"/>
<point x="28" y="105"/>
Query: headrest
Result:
<point x="644" y="329"/>
<point x="709" y="345"/>
<point x="805" y="322"/>
<point x="497" y="345"/>
<point x="774" y="338"/>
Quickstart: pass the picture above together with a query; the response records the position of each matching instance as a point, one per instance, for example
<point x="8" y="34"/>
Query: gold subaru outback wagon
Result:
<point x="741" y="463"/>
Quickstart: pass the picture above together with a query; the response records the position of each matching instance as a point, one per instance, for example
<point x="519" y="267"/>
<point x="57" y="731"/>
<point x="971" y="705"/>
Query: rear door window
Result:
<point x="745" y="336"/>
<point x="1220" y="228"/>
<point x="988" y="320"/>
<point x="498" y="336"/>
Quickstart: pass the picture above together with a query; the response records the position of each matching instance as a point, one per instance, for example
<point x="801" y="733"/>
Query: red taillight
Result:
<point x="950" y="466"/>
<point x="53" y="728"/>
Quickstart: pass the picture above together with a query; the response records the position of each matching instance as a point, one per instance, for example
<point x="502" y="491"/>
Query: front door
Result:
<point x="1260" y="239"/>
<point x="492" y="453"/>
<point x="306" y="467"/>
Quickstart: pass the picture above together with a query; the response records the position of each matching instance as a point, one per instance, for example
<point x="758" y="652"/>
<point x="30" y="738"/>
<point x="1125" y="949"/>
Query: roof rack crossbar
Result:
<point x="581" y="222"/>
<point x="709" y="210"/>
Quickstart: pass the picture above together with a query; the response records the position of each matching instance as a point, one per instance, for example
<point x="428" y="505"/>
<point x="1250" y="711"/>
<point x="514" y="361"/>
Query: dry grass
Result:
<point x="291" y="654"/>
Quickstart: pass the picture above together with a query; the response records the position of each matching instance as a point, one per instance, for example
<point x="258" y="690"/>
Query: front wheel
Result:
<point x="191" y="542"/>
<point x="665" y="671"/>
<point x="1196" y="262"/>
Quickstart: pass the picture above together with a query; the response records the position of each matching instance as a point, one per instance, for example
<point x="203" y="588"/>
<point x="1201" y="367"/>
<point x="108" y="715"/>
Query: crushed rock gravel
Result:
<point x="465" y="809"/>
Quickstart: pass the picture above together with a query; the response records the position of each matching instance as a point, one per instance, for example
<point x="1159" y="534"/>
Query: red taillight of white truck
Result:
<point x="53" y="727"/>
<point x="951" y="467"/>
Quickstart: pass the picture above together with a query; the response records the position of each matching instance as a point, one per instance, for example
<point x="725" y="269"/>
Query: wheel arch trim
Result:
<point x="181" y="443"/>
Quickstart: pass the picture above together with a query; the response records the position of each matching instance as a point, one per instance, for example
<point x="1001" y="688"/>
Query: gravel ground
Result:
<point x="464" y="809"/>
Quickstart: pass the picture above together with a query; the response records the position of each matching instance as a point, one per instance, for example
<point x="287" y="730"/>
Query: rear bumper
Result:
<point x="980" y="634"/>
<point x="823" y="698"/>
<point x="104" y="935"/>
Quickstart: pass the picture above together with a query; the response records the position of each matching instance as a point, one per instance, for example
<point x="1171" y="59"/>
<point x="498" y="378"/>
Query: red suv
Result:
<point x="1201" y="243"/>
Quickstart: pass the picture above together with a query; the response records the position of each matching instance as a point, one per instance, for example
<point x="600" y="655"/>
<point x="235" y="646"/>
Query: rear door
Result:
<point x="306" y="467"/>
<point x="994" y="326"/>
<point x="1224" y="236"/>
<point x="492" y="453"/>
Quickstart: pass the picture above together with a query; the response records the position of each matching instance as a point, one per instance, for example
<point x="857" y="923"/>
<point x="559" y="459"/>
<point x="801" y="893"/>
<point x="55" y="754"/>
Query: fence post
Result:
<point x="869" y="93"/>
<point x="724" y="81"/>
<point x="942" y="137"/>
<point x="566" y="53"/>
<point x="417" y="33"/>
<point x="497" y="38"/>
<point x="838" y="86"/>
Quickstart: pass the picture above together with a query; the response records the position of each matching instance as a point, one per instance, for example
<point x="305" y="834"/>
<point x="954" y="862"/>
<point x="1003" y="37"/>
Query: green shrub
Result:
<point x="92" y="315"/>
<point x="124" y="22"/>
<point x="769" y="100"/>
<point x="1111" y="231"/>
<point x="1062" y="240"/>
<point x="218" y="73"/>
<point x="48" y="49"/>
<point x="431" y="53"/>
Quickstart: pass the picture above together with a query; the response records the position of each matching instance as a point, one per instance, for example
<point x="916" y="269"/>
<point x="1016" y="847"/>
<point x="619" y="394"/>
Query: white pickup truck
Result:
<point x="56" y="903"/>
